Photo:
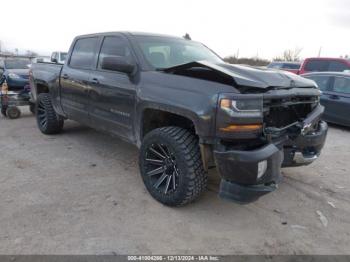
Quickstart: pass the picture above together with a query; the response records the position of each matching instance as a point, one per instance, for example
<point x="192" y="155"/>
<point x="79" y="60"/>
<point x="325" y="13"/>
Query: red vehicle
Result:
<point x="323" y="64"/>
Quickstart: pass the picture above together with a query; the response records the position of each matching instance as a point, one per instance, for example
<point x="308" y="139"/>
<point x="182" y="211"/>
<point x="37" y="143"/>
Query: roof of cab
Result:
<point x="130" y="33"/>
<point x="327" y="73"/>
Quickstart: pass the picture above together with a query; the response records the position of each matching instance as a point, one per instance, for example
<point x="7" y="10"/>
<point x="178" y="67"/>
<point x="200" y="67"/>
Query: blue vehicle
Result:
<point x="16" y="73"/>
<point x="335" y="87"/>
<point x="15" y="89"/>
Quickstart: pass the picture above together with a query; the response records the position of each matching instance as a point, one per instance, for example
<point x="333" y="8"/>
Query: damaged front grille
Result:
<point x="284" y="112"/>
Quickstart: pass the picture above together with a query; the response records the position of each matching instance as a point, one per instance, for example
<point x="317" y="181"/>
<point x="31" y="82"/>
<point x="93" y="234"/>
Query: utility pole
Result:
<point x="319" y="51"/>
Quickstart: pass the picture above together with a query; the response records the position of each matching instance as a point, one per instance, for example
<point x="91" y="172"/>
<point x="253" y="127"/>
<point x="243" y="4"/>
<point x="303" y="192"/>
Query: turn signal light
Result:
<point x="241" y="128"/>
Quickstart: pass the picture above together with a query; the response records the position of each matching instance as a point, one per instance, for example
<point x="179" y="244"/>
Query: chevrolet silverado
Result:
<point x="186" y="110"/>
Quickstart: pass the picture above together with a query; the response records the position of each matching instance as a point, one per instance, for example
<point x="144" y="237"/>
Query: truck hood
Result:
<point x="248" y="76"/>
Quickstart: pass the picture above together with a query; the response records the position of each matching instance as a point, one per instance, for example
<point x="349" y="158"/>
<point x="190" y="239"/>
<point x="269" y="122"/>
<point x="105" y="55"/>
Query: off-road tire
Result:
<point x="13" y="112"/>
<point x="49" y="122"/>
<point x="183" y="147"/>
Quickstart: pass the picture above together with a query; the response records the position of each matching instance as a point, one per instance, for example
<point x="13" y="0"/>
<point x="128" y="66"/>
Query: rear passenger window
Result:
<point x="342" y="85"/>
<point x="317" y="65"/>
<point x="321" y="81"/>
<point x="336" y="66"/>
<point x="114" y="46"/>
<point x="83" y="53"/>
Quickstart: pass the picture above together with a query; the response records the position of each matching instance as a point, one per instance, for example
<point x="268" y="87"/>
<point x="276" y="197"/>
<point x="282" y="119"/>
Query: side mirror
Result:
<point x="54" y="60"/>
<point x="119" y="64"/>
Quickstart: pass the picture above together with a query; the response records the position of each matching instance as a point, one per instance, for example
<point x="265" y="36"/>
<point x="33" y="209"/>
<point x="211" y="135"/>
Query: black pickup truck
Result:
<point x="187" y="111"/>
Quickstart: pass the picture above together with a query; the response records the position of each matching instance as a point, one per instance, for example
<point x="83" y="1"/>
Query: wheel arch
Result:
<point x="153" y="117"/>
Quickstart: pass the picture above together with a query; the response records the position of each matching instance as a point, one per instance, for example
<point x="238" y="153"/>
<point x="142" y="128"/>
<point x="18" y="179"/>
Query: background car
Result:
<point x="292" y="67"/>
<point x="58" y="57"/>
<point x="324" y="64"/>
<point x="16" y="73"/>
<point x="41" y="59"/>
<point x="335" y="87"/>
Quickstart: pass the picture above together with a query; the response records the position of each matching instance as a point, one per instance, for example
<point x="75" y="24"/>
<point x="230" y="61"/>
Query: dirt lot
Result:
<point x="80" y="192"/>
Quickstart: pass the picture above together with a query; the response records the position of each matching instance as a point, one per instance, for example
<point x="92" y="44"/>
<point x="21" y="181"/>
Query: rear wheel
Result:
<point x="171" y="166"/>
<point x="13" y="112"/>
<point x="49" y="122"/>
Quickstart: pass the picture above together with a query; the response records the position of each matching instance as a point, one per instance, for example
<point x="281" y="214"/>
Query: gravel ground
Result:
<point x="80" y="192"/>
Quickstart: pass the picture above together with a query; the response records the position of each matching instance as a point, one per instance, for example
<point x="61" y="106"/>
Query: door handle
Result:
<point x="335" y="97"/>
<point x="95" y="81"/>
<point x="65" y="76"/>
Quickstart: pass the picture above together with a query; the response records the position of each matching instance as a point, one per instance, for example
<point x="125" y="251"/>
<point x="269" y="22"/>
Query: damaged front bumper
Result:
<point x="249" y="174"/>
<point x="240" y="180"/>
<point x="305" y="148"/>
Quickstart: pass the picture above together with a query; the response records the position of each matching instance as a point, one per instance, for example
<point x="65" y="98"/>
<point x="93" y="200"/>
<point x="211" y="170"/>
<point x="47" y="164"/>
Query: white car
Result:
<point x="58" y="57"/>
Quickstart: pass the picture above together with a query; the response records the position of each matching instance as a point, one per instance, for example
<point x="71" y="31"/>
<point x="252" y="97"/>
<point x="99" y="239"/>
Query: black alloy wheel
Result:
<point x="49" y="122"/>
<point x="161" y="168"/>
<point x="171" y="166"/>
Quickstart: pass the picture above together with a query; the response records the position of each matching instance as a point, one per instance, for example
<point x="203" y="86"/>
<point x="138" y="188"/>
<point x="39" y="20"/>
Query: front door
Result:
<point x="338" y="101"/>
<point x="113" y="93"/>
<point x="324" y="84"/>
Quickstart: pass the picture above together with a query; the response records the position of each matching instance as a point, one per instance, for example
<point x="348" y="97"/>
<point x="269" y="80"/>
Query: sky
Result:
<point x="249" y="28"/>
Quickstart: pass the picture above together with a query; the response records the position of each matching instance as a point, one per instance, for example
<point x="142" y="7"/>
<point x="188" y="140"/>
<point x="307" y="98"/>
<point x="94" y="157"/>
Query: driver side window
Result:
<point x="114" y="46"/>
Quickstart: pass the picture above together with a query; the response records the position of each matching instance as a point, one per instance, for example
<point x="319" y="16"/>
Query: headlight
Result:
<point x="14" y="76"/>
<point x="239" y="116"/>
<point x="242" y="107"/>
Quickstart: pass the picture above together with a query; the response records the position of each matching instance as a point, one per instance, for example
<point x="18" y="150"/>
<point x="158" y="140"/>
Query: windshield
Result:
<point x="17" y="64"/>
<point x="162" y="52"/>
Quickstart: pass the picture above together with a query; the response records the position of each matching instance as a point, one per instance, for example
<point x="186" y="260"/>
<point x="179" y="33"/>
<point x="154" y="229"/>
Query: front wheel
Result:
<point x="171" y="166"/>
<point x="49" y="122"/>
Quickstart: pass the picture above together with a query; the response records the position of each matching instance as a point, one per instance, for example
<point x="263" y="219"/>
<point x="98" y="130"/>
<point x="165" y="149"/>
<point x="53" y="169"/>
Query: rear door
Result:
<point x="113" y="93"/>
<point x="338" y="101"/>
<point x="75" y="79"/>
